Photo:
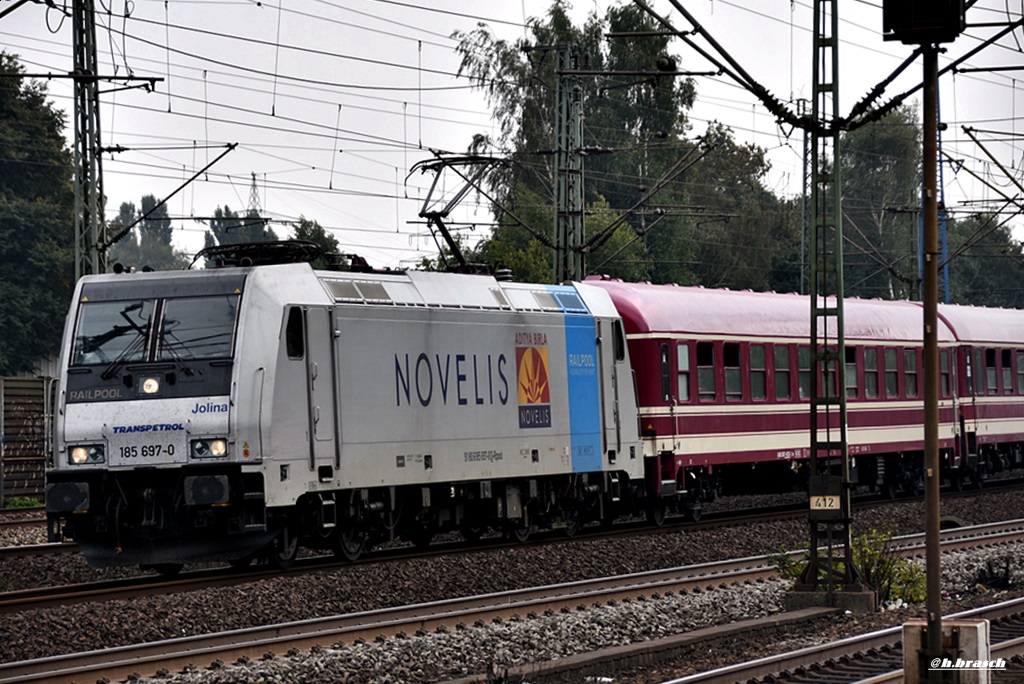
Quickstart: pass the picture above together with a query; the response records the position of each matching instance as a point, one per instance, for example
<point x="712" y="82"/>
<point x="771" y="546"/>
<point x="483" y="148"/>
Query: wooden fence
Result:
<point x="26" y="411"/>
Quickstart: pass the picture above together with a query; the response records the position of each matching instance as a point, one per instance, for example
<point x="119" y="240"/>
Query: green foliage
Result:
<point x="23" y="502"/>
<point x="311" y="231"/>
<point x="148" y="243"/>
<point x="891" y="576"/>
<point x="230" y="228"/>
<point x="36" y="222"/>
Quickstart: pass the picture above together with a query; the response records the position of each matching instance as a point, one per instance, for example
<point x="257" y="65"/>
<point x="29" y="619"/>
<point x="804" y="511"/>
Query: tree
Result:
<point x="36" y="222"/>
<point x="149" y="243"/>
<point x="311" y="231"/>
<point x="881" y="184"/>
<point x="636" y="130"/>
<point x="230" y="228"/>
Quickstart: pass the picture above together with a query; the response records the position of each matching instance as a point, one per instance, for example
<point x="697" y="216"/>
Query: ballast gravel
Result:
<point x="36" y="633"/>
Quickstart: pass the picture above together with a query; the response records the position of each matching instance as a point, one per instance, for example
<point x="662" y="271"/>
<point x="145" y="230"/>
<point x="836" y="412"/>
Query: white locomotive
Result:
<point x="238" y="412"/>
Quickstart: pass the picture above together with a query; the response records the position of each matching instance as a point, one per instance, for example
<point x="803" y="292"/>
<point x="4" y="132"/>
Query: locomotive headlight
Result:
<point x="209" y="448"/>
<point x="150" y="386"/>
<point x="92" y="453"/>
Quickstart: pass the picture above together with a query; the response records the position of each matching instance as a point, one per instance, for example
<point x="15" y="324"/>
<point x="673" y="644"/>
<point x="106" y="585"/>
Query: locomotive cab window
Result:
<point x="618" y="341"/>
<point x="294" y="334"/>
<point x="112" y="331"/>
<point x="198" y="328"/>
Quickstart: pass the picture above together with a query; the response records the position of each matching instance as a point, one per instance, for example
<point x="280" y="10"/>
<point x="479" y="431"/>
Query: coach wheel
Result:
<point x="350" y="544"/>
<point x="956" y="480"/>
<point x="167" y="569"/>
<point x="656" y="513"/>
<point x="284" y="549"/>
<point x="421" y="537"/>
<point x="695" y="512"/>
<point x="890" y="489"/>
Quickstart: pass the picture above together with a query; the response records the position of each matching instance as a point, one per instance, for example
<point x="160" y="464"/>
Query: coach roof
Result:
<point x="647" y="308"/>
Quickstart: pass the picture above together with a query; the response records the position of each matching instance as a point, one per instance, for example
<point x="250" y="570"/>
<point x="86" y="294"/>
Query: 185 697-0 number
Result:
<point x="147" y="450"/>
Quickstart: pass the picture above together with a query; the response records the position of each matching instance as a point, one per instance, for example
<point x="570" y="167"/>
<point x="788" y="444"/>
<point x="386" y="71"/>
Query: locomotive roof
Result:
<point x="648" y="308"/>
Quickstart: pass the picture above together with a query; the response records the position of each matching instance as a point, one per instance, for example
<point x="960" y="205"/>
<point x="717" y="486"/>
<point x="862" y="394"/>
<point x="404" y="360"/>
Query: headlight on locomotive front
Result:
<point x="86" y="454"/>
<point x="209" y="448"/>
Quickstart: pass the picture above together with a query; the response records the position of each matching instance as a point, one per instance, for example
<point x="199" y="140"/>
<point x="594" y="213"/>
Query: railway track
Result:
<point x="118" y="663"/>
<point x="875" y="658"/>
<point x="147" y="585"/>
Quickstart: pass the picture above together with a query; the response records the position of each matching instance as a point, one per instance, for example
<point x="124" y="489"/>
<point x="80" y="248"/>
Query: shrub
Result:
<point x="881" y="568"/>
<point x="23" y="502"/>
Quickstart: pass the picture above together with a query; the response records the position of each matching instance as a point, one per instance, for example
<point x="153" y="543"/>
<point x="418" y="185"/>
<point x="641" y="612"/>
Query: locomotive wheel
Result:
<point x="956" y="481"/>
<point x="519" y="533"/>
<point x="350" y="543"/>
<point x="571" y="518"/>
<point x="284" y="549"/>
<point x="167" y="569"/>
<point x="472" y="533"/>
<point x="240" y="563"/>
<point x="696" y="512"/>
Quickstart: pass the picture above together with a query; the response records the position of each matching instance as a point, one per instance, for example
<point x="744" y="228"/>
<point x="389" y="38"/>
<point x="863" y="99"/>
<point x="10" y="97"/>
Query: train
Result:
<point x="242" y="412"/>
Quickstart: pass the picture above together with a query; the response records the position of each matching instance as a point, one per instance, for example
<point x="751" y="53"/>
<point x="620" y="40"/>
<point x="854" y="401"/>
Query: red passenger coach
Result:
<point x="723" y="380"/>
<point x="989" y="381"/>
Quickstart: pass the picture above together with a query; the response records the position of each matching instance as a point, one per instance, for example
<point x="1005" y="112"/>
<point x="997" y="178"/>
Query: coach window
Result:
<point x="892" y="373"/>
<point x="871" y="373"/>
<point x="781" y="371"/>
<point x="910" y="371"/>
<point x="851" y="372"/>
<point x="803" y="359"/>
<point x="758" y="373"/>
<point x="979" y="371"/>
<point x="1020" y="372"/>
<point x="733" y="375"/>
<point x="990" y="372"/>
<point x="944" y="385"/>
<point x="706" y="371"/>
<point x="683" y="368"/>
<point x="294" y="336"/>
<point x="1007" y="370"/>
<point x="666" y="375"/>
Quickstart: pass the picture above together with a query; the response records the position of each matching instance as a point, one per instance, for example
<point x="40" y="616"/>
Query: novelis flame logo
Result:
<point x="534" y="387"/>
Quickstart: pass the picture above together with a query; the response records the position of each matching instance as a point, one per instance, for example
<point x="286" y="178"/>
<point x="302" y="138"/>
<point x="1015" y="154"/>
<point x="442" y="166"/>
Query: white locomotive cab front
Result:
<point x="144" y="456"/>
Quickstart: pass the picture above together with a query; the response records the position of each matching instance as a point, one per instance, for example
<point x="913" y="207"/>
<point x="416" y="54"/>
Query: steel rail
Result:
<point x="120" y="662"/>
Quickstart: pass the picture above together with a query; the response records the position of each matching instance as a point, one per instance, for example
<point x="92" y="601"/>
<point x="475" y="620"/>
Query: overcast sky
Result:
<point x="332" y="101"/>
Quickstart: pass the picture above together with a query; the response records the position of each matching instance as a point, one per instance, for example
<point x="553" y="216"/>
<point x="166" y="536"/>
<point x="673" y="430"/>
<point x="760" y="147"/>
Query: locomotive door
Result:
<point x="320" y="383"/>
<point x="611" y="352"/>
